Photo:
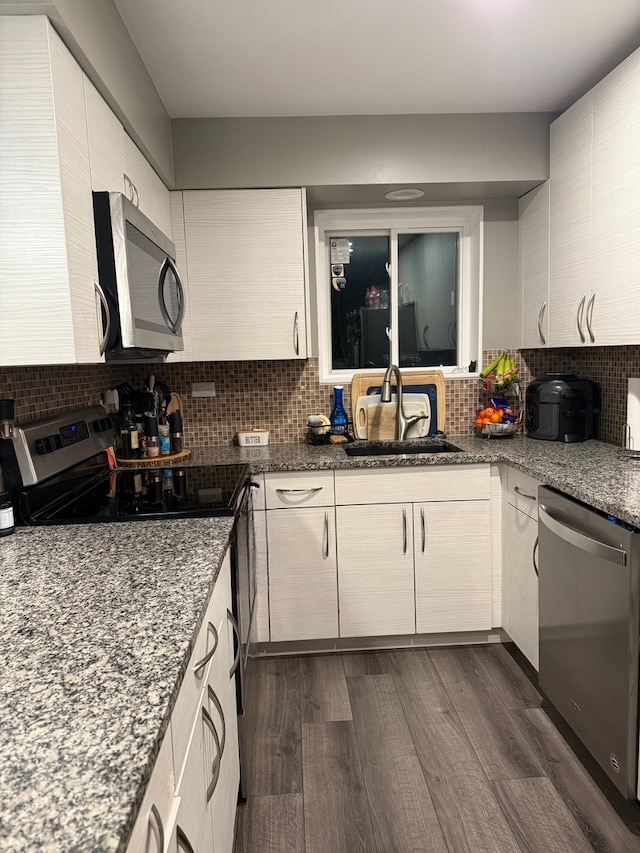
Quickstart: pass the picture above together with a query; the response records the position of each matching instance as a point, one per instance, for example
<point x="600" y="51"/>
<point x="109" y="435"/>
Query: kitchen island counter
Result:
<point x="98" y="622"/>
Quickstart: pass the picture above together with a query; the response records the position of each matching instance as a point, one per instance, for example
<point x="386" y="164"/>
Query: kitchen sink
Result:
<point x="397" y="448"/>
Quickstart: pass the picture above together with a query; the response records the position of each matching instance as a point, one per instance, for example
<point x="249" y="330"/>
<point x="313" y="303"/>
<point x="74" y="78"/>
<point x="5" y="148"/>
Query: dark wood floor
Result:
<point x="416" y="750"/>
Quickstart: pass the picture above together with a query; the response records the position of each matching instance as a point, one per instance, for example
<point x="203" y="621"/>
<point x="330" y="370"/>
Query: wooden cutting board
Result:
<point x="361" y="383"/>
<point x="381" y="422"/>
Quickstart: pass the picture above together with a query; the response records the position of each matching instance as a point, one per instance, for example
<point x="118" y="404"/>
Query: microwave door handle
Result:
<point x="167" y="265"/>
<point x="107" y="313"/>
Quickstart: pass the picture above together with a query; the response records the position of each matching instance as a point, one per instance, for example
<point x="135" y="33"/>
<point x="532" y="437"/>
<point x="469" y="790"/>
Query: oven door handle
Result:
<point x="234" y="625"/>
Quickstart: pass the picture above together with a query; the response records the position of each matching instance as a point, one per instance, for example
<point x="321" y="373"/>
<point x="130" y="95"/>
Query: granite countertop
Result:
<point x="99" y="621"/>
<point x="594" y="472"/>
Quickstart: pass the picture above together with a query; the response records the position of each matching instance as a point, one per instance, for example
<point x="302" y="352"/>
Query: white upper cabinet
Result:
<point x="615" y="234"/>
<point x="118" y="165"/>
<point x="594" y="287"/>
<point x="106" y="142"/>
<point x="246" y="264"/>
<point x="49" y="313"/>
<point x="570" y="224"/>
<point x="145" y="189"/>
<point x="533" y="251"/>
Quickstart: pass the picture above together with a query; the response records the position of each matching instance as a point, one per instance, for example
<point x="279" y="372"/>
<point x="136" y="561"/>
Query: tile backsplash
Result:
<point x="279" y="395"/>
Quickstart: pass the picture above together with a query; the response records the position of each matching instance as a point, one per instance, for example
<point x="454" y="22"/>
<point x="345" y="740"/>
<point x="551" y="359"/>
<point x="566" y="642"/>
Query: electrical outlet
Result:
<point x="203" y="389"/>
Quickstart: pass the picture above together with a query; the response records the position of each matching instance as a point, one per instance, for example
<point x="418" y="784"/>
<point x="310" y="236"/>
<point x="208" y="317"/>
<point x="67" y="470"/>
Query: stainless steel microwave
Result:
<point x="143" y="299"/>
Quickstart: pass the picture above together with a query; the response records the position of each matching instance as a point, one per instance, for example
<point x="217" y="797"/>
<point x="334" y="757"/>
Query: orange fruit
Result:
<point x="496" y="417"/>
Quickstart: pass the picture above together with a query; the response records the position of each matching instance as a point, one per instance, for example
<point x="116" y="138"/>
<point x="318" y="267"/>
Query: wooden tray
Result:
<point x="156" y="461"/>
<point x="362" y="382"/>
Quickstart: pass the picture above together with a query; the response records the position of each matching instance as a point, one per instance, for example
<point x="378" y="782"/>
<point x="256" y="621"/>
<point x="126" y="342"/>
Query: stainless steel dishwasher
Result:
<point x="589" y="614"/>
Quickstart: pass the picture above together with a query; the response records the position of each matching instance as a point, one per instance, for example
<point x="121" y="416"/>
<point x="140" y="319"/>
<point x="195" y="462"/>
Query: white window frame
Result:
<point x="467" y="220"/>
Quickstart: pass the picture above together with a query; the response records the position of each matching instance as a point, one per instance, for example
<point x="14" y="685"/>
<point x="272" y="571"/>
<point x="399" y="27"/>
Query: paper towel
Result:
<point x="632" y="426"/>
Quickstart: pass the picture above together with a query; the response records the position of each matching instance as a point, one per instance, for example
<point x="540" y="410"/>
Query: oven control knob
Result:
<point x="102" y="424"/>
<point x="48" y="444"/>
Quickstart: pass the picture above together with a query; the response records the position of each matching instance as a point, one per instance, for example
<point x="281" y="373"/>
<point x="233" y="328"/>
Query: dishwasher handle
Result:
<point x="585" y="543"/>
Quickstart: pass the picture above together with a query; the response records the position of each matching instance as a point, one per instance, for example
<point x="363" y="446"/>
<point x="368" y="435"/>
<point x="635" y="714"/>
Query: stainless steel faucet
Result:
<point x="402" y="421"/>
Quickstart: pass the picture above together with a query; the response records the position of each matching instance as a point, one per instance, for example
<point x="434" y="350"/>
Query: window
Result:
<point x="404" y="285"/>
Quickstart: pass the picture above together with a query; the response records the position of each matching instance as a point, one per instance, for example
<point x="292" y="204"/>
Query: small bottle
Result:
<point x="7" y="521"/>
<point x="129" y="443"/>
<point x="164" y="435"/>
<point x="338" y="417"/>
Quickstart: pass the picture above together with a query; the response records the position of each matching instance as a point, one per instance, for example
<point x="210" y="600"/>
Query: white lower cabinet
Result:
<point x="375" y="570"/>
<point x="520" y="579"/>
<point x="190" y="802"/>
<point x="303" y="593"/>
<point x="452" y="544"/>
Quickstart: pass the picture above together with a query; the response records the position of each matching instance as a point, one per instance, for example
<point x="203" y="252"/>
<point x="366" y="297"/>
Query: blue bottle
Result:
<point x="338" y="416"/>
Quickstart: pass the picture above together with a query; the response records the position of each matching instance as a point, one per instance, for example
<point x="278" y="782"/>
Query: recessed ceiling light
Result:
<point x="407" y="194"/>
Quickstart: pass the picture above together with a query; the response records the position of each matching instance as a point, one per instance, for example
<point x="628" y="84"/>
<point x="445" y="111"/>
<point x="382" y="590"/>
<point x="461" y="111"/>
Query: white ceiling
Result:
<point x="368" y="57"/>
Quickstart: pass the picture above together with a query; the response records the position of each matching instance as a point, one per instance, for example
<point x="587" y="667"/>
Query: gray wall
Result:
<point x="95" y="34"/>
<point x="335" y="150"/>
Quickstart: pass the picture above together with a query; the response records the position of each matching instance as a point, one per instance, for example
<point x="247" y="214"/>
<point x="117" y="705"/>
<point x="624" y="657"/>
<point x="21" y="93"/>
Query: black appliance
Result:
<point x="143" y="299"/>
<point x="57" y="471"/>
<point x="561" y="407"/>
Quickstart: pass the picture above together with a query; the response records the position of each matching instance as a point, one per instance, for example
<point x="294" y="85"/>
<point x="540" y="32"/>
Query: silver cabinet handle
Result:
<point x="404" y="531"/>
<point x="155" y="825"/>
<point x="132" y="192"/>
<point x="182" y="842"/>
<point x="589" y="317"/>
<point x="217" y="761"/>
<point x="296" y="334"/>
<point x="543" y="308"/>
<point x="424" y="538"/>
<point x="205" y="660"/>
<point x="533" y="556"/>
<point x="579" y="314"/>
<point x="326" y="535"/>
<point x="211" y="693"/>
<point x="236" y="631"/>
<point x="519" y="491"/>
<point x="107" y="313"/>
<point x="298" y="491"/>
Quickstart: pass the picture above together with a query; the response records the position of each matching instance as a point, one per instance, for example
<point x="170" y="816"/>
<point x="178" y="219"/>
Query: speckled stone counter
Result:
<point x="98" y="622"/>
<point x="592" y="471"/>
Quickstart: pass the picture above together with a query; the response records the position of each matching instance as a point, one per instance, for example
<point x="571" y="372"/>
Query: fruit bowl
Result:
<point x="504" y="429"/>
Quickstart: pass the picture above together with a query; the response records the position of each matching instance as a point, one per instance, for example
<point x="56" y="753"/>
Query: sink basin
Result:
<point x="397" y="448"/>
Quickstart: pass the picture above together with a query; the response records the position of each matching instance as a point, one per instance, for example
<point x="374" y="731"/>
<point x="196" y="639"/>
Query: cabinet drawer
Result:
<point x="212" y="635"/>
<point x="522" y="492"/>
<point x="393" y="485"/>
<point x="158" y="806"/>
<point x="288" y="490"/>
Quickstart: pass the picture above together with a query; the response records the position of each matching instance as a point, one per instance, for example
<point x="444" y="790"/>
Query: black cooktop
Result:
<point x="92" y="492"/>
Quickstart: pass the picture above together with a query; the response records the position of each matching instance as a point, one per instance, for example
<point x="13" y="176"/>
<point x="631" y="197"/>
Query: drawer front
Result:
<point x="299" y="489"/>
<point x="394" y="485"/>
<point x="212" y="636"/>
<point x="522" y="492"/>
<point x="158" y="805"/>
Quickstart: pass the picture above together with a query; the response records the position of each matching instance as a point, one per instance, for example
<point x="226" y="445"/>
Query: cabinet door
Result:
<point x="48" y="265"/>
<point x="149" y="192"/>
<point x="375" y="570"/>
<point x="570" y="224"/>
<point x="157" y="810"/>
<point x="533" y="244"/>
<point x="520" y="583"/>
<point x="303" y="595"/>
<point x="246" y="259"/>
<point x="106" y="142"/>
<point x="452" y="542"/>
<point x="615" y="272"/>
